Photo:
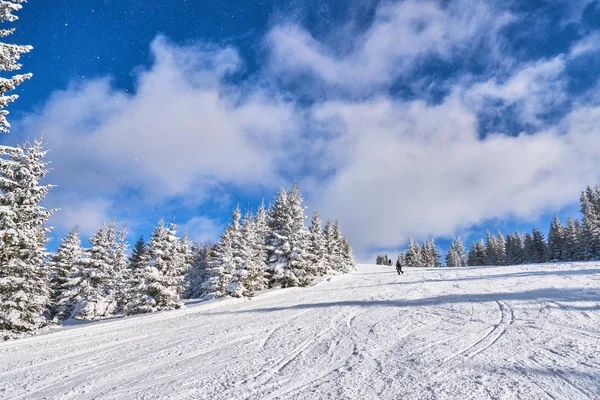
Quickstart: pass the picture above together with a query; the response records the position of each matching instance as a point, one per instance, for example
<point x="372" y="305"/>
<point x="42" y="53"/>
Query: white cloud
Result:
<point x="536" y="88"/>
<point x="87" y="214"/>
<point x="183" y="129"/>
<point x="407" y="168"/>
<point x="402" y="35"/>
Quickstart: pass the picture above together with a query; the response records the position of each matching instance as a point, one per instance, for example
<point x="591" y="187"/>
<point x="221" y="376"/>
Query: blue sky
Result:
<point x="430" y="118"/>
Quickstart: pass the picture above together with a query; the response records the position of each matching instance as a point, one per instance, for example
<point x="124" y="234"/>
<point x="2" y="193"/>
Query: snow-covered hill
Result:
<point x="526" y="332"/>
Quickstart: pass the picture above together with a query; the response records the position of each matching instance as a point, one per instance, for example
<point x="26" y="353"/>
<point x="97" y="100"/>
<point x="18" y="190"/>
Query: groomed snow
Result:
<point x="519" y="332"/>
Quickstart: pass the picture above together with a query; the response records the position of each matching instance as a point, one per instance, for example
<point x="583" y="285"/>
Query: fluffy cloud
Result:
<point x="401" y="37"/>
<point x="182" y="130"/>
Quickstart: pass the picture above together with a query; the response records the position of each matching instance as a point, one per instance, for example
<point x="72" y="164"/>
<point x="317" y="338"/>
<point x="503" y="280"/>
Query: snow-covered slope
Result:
<point x="526" y="332"/>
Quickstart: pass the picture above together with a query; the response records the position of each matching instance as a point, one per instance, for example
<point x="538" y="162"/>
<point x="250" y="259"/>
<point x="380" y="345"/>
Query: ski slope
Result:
<point x="520" y="332"/>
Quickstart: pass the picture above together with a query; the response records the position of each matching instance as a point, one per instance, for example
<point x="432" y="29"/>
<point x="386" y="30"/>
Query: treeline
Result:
<point x="266" y="249"/>
<point x="573" y="241"/>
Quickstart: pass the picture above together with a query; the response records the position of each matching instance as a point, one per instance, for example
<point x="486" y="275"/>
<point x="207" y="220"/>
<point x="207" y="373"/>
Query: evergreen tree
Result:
<point x="573" y="249"/>
<point x="316" y="247"/>
<point x="197" y="273"/>
<point x="556" y="239"/>
<point x="590" y="208"/>
<point x="413" y="254"/>
<point x="332" y="253"/>
<point x="341" y="266"/>
<point x="472" y="258"/>
<point x="478" y="254"/>
<point x="539" y="247"/>
<point x="500" y="249"/>
<point x="250" y="275"/>
<point x="491" y="248"/>
<point x="528" y="250"/>
<point x="160" y="283"/>
<point x="91" y="291"/>
<point x="63" y="263"/>
<point x="136" y="260"/>
<point x="225" y="260"/>
<point x="286" y="240"/>
<point x="348" y="255"/>
<point x="24" y="293"/>
<point x="9" y="60"/>
<point x="514" y="249"/>
<point x="452" y="258"/>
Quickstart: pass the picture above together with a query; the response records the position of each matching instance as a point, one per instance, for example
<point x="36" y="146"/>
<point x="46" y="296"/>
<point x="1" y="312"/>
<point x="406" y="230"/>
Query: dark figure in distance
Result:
<point x="398" y="267"/>
<point x="390" y="262"/>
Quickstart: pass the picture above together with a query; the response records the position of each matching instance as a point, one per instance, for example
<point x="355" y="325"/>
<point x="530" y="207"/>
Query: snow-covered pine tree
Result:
<point x="413" y="256"/>
<point x="136" y="259"/>
<point x="316" y="247"/>
<point x="472" y="257"/>
<point x="91" y="292"/>
<point x="427" y="255"/>
<point x="556" y="239"/>
<point x="159" y="284"/>
<point x="500" y="249"/>
<point x="539" y="247"/>
<point x="452" y="258"/>
<point x="9" y="60"/>
<point x="63" y="264"/>
<point x="479" y="256"/>
<point x="226" y="261"/>
<point x="348" y="255"/>
<point x="287" y="240"/>
<point x="24" y="293"/>
<point x="517" y="249"/>
<point x="332" y="253"/>
<point x="186" y="250"/>
<point x="459" y="247"/>
<point x="197" y="273"/>
<point x="590" y="224"/>
<point x="341" y="266"/>
<point x="528" y="251"/>
<point x="123" y="274"/>
<point x="572" y="247"/>
<point x="250" y="276"/>
<point x="491" y="249"/>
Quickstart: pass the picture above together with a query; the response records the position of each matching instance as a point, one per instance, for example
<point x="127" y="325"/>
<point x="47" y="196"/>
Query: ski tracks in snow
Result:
<point x="471" y="333"/>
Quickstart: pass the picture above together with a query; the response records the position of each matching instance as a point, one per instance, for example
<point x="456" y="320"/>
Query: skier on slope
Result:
<point x="399" y="267"/>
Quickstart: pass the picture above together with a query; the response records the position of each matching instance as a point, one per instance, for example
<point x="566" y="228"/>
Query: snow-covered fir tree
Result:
<point x="556" y="239"/>
<point x="63" y="264"/>
<point x="159" y="285"/>
<point x="457" y="256"/>
<point x="452" y="259"/>
<point x="287" y="240"/>
<point x="9" y="61"/>
<point x="226" y="261"/>
<point x="136" y="260"/>
<point x="573" y="249"/>
<point x="478" y="254"/>
<point x="92" y="291"/>
<point x="590" y="235"/>
<point x="24" y="293"/>
<point x="500" y="249"/>
<point x="539" y="247"/>
<point x="514" y="249"/>
<point x="198" y="271"/>
<point x="316" y="247"/>
<point x="332" y="254"/>
<point x="250" y="276"/>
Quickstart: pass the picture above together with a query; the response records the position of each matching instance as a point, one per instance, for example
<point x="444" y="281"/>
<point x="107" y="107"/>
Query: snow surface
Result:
<point x="526" y="332"/>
